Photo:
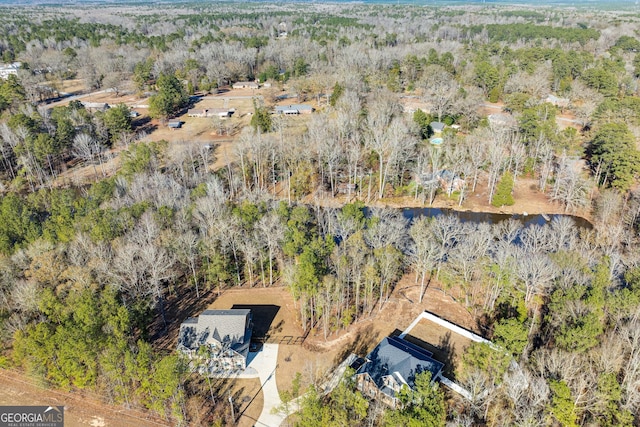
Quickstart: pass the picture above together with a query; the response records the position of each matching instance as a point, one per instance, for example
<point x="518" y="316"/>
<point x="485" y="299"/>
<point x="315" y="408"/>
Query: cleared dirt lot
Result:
<point x="247" y="394"/>
<point x="276" y="301"/>
<point x="446" y="346"/>
<point x="276" y="318"/>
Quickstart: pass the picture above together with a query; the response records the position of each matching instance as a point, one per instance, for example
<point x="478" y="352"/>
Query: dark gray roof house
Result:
<point x="394" y="363"/>
<point x="226" y="334"/>
<point x="437" y="126"/>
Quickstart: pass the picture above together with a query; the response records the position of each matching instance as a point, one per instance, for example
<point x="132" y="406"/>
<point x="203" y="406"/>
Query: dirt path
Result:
<point x="81" y="409"/>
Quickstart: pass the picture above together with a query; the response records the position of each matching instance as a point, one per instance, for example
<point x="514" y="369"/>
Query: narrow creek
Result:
<point x="492" y="218"/>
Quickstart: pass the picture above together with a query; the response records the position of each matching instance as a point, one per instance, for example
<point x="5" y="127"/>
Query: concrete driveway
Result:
<point x="264" y="363"/>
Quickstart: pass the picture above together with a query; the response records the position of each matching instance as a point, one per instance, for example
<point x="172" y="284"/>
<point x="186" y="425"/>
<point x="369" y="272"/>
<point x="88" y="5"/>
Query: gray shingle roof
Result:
<point x="400" y="359"/>
<point x="230" y="327"/>
<point x="437" y="126"/>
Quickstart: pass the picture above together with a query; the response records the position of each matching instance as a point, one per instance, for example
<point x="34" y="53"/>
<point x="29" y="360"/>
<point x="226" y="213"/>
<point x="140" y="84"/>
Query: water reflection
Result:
<point x="492" y="218"/>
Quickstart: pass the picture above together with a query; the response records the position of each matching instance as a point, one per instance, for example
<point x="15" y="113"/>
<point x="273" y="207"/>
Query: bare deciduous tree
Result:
<point x="88" y="149"/>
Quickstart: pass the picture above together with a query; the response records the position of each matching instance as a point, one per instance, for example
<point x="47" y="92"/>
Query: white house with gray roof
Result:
<point x="219" y="339"/>
<point x="8" y="69"/>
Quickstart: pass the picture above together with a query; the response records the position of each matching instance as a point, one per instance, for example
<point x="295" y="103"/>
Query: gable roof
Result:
<point x="209" y="112"/>
<point x="294" y="107"/>
<point x="437" y="126"/>
<point x="399" y="359"/>
<point x="228" y="327"/>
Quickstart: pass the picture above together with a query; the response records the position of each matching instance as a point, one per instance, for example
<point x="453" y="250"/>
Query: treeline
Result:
<point x="423" y="406"/>
<point x="78" y="302"/>
<point x="36" y="145"/>
<point x="87" y="270"/>
<point x="512" y="33"/>
<point x="84" y="339"/>
<point x="560" y="304"/>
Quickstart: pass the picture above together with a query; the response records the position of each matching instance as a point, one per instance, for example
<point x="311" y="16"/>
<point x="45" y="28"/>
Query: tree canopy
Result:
<point x="614" y="154"/>
<point x="170" y="98"/>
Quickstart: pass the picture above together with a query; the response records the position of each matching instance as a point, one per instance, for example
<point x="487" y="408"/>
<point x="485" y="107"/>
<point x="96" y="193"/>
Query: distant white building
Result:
<point x="245" y="85"/>
<point x="7" y="69"/>
<point x="95" y="106"/>
<point x="210" y="112"/>
<point x="294" y="109"/>
<point x="558" y="102"/>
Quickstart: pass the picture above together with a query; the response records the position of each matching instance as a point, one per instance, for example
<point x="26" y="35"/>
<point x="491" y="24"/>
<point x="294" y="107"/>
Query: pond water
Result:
<point x="492" y="218"/>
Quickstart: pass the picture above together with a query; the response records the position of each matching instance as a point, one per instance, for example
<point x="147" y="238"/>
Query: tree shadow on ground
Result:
<point x="482" y="324"/>
<point x="144" y="124"/>
<point x="262" y="316"/>
<point x="181" y="304"/>
<point x="444" y="352"/>
<point x="363" y="342"/>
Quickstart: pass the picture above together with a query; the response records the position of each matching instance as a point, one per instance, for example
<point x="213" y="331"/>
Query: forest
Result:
<point x="100" y="221"/>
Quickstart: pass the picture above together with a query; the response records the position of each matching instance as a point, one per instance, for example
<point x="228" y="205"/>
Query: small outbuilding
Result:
<point x="557" y="101"/>
<point x="174" y="124"/>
